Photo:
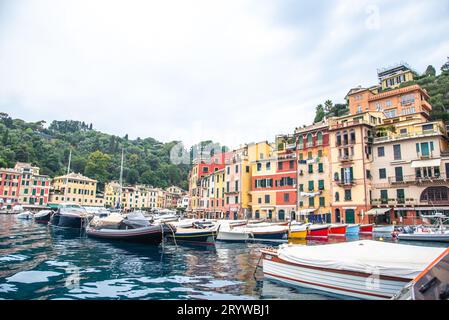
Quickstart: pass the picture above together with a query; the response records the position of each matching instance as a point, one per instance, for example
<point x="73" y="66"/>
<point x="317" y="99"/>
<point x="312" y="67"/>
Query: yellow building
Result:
<point x="132" y="197"/>
<point x="263" y="197"/>
<point x="76" y="188"/>
<point x="391" y="78"/>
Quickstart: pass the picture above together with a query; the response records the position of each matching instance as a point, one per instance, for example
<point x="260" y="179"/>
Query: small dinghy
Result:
<point x="318" y="231"/>
<point x="115" y="227"/>
<point x="228" y="233"/>
<point x="366" y="228"/>
<point x="297" y="231"/>
<point x="26" y="215"/>
<point x="43" y="216"/>
<point x="194" y="235"/>
<point x="383" y="229"/>
<point x="337" y="230"/>
<point x="352" y="229"/>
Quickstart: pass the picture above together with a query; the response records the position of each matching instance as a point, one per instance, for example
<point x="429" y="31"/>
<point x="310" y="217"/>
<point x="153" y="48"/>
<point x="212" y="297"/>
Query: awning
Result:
<point x="426" y="163"/>
<point x="306" y="211"/>
<point x="377" y="211"/>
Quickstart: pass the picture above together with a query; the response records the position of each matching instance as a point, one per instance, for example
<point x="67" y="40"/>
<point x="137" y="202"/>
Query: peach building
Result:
<point x="410" y="169"/>
<point x="351" y="157"/>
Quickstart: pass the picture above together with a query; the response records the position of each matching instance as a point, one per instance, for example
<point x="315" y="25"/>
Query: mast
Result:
<point x="121" y="180"/>
<point x="67" y="175"/>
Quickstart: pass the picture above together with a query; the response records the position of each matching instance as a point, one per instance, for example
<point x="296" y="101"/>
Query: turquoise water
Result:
<point x="37" y="262"/>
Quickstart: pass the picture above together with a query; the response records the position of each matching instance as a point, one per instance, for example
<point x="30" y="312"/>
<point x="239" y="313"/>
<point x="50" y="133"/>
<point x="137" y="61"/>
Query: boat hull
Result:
<point x="331" y="281"/>
<point x="149" y="235"/>
<point x="424" y="237"/>
<point x="45" y="218"/>
<point x="297" y="234"/>
<point x="366" y="229"/>
<point x="269" y="235"/>
<point x="318" y="232"/>
<point x="206" y="236"/>
<point x="383" y="229"/>
<point x="353" y="229"/>
<point x="68" y="221"/>
<point x="337" y="230"/>
<point x="233" y="236"/>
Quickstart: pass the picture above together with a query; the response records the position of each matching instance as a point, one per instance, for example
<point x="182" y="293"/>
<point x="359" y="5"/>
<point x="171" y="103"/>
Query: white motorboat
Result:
<point x="437" y="233"/>
<point x="383" y="229"/>
<point x="265" y="233"/>
<point x="364" y="269"/>
<point x="26" y="215"/>
<point x="230" y="234"/>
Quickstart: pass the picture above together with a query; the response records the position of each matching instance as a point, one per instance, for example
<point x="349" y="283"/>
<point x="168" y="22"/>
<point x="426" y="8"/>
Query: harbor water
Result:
<point x="38" y="262"/>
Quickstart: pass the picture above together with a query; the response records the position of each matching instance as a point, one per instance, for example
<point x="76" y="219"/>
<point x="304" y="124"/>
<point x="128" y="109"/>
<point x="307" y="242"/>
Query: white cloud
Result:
<point x="230" y="71"/>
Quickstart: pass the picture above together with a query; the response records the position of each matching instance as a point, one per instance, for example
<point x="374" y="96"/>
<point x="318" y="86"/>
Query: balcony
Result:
<point x="410" y="135"/>
<point x="309" y="144"/>
<point x="393" y="202"/>
<point x="413" y="179"/>
<point x="345" y="183"/>
<point x="345" y="158"/>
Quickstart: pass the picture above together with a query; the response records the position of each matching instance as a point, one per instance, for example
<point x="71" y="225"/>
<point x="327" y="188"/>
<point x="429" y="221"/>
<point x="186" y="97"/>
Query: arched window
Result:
<point x="319" y="137"/>
<point x="337" y="197"/>
<point x="309" y="140"/>
<point x="435" y="194"/>
<point x="281" y="215"/>
<point x="300" y="142"/>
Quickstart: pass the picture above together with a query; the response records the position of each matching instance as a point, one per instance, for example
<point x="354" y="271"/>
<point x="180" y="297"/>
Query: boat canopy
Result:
<point x="377" y="211"/>
<point x="426" y="163"/>
<point x="366" y="256"/>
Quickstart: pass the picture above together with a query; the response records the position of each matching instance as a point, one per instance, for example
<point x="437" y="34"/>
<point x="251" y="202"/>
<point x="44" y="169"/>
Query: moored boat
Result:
<point x="317" y="231"/>
<point x="194" y="235"/>
<point x="352" y="229"/>
<point x="70" y="215"/>
<point x="383" y="229"/>
<point x="231" y="234"/>
<point x="297" y="232"/>
<point x="361" y="269"/>
<point x="437" y="233"/>
<point x="43" y="216"/>
<point x="128" y="231"/>
<point x="337" y="230"/>
<point x="366" y="228"/>
<point x="26" y="215"/>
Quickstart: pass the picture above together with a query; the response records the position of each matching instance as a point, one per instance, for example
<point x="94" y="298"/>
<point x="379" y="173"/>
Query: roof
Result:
<point x="75" y="176"/>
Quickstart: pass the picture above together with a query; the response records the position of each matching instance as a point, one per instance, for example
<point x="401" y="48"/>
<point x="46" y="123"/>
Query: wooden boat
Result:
<point x="318" y="231"/>
<point x="360" y="269"/>
<point x="297" y="232"/>
<point x="206" y="236"/>
<point x="337" y="230"/>
<point x="43" y="216"/>
<point x="383" y="229"/>
<point x="230" y="233"/>
<point x="352" y="229"/>
<point x="366" y="228"/>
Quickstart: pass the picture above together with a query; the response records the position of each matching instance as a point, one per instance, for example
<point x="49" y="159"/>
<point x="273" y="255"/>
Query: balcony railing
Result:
<point x="418" y="180"/>
<point x="345" y="158"/>
<point x="397" y="201"/>
<point x="393" y="137"/>
<point x="345" y="183"/>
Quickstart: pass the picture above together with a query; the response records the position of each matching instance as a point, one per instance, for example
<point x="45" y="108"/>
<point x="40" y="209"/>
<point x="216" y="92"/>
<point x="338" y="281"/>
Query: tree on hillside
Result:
<point x="445" y="66"/>
<point x="430" y="71"/>
<point x="97" y="166"/>
<point x="319" y="113"/>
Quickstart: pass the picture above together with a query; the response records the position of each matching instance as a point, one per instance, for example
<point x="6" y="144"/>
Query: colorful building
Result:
<point x="314" y="174"/>
<point x="76" y="188"/>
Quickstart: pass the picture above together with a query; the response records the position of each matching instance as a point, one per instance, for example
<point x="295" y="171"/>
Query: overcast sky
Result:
<point x="232" y="71"/>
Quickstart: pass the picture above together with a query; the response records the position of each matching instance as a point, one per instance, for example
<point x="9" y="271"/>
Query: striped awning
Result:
<point x="377" y="211"/>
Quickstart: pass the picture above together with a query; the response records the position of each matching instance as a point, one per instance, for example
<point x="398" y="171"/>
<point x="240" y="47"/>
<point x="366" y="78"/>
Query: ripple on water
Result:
<point x="32" y="276"/>
<point x="13" y="257"/>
